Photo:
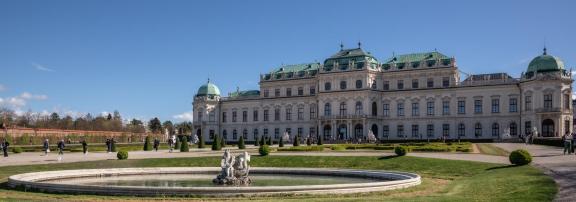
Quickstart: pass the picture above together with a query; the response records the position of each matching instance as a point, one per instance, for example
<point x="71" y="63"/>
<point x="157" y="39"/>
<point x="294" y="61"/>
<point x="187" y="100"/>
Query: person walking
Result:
<point x="171" y="144"/>
<point x="46" y="146"/>
<point x="84" y="147"/>
<point x="4" y="145"/>
<point x="567" y="139"/>
<point x="108" y="145"/>
<point x="156" y="144"/>
<point x="61" y="146"/>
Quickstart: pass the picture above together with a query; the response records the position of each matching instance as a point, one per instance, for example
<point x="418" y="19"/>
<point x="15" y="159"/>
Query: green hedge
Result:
<point x="520" y="157"/>
<point x="122" y="155"/>
<point x="264" y="150"/>
<point x="302" y="148"/>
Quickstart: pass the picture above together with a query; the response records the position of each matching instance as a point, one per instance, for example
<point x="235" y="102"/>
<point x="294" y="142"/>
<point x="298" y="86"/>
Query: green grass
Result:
<point x="302" y="148"/>
<point x="492" y="150"/>
<point x="416" y="146"/>
<point x="443" y="180"/>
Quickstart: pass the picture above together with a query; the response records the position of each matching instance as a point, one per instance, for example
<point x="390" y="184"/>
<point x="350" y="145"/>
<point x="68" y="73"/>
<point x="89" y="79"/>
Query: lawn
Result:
<point x="443" y="180"/>
<point x="415" y="146"/>
<point x="486" y="148"/>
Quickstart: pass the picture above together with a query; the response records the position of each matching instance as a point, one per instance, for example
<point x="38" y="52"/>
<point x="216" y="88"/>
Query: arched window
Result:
<point x="225" y="134"/>
<point x="343" y="109"/>
<point x="327" y="109"/>
<point x="358" y="84"/>
<point x="513" y="129"/>
<point x="342" y="85"/>
<point x="374" y="109"/>
<point x="359" y="108"/>
<point x="327" y="86"/>
<point x="495" y="129"/>
<point x="478" y="130"/>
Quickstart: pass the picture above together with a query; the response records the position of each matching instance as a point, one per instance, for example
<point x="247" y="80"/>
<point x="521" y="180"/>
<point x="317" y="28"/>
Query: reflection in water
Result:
<point x="205" y="180"/>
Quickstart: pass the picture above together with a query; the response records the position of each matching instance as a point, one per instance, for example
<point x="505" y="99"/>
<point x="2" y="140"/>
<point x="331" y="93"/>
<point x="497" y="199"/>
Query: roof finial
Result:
<point x="208" y="79"/>
<point x="544" y="50"/>
<point x="341" y="46"/>
<point x="359" y="44"/>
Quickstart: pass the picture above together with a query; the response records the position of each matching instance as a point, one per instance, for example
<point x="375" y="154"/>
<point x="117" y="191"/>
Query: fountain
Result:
<point x="234" y="177"/>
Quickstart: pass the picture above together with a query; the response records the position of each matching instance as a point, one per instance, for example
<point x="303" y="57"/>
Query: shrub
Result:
<point x="184" y="147"/>
<point x="201" y="141"/>
<point x="296" y="141"/>
<point x="256" y="142"/>
<point x="177" y="145"/>
<point x="338" y="148"/>
<point x="222" y="142"/>
<point x="270" y="141"/>
<point x="17" y="150"/>
<point x="520" y="157"/>
<point x="147" y="145"/>
<point x="281" y="143"/>
<point x="262" y="142"/>
<point x="122" y="155"/>
<point x="241" y="143"/>
<point x="400" y="151"/>
<point x="320" y="140"/>
<point x="308" y="141"/>
<point x="216" y="143"/>
<point x="264" y="150"/>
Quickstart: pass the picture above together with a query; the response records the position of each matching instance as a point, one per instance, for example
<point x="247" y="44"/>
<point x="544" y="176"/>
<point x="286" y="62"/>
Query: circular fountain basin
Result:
<point x="184" y="181"/>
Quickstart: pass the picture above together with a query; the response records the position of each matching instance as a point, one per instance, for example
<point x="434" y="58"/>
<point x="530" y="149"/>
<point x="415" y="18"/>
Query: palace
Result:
<point x="411" y="96"/>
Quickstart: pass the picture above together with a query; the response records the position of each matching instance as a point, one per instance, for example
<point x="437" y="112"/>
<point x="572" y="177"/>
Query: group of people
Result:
<point x="61" y="145"/>
<point x="569" y="141"/>
<point x="110" y="144"/>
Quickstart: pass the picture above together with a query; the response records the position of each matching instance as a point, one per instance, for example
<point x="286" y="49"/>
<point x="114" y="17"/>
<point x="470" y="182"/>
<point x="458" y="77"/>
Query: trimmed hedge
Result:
<point x="264" y="150"/>
<point x="122" y="155"/>
<point x="338" y="148"/>
<point x="400" y="150"/>
<point x="241" y="143"/>
<point x="303" y="148"/>
<point x="17" y="150"/>
<point x="520" y="157"/>
<point x="147" y="144"/>
<point x="184" y="147"/>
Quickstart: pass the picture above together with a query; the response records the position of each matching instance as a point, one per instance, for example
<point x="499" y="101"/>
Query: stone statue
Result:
<point x="371" y="137"/>
<point x="506" y="133"/>
<point x="235" y="170"/>
<point x="195" y="139"/>
<point x="285" y="137"/>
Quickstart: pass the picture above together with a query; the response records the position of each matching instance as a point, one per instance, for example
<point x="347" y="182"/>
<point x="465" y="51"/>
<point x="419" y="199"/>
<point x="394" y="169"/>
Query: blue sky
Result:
<point x="148" y="58"/>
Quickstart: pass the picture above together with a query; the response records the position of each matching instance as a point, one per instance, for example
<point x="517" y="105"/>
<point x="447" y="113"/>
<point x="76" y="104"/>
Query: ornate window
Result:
<point x="495" y="105"/>
<point x="446" y="130"/>
<point x="430" y="83"/>
<point x="312" y="90"/>
<point x="385" y="131"/>
<point x="359" y="108"/>
<point x="300" y="113"/>
<point x="288" y="92"/>
<point x="445" y="82"/>
<point x="374" y="109"/>
<point x="547" y="101"/>
<point x="234" y="116"/>
<point x="513" y="129"/>
<point x="415" y="109"/>
<point x="245" y="134"/>
<point x="244" y="116"/>
<point x="386" y="110"/>
<point x="277" y="92"/>
<point x="528" y="103"/>
<point x="312" y="111"/>
<point x="430" y="130"/>
<point x="415" y="130"/>
<point x="277" y="114"/>
<point x="255" y="133"/>
<point x="288" y="113"/>
<point x="224" y="117"/>
<point x="513" y="105"/>
<point x="234" y="134"/>
<point x="461" y="107"/>
<point x="414" y="83"/>
<point x="495" y="129"/>
<point x="327" y="109"/>
<point x="430" y="108"/>
<point x="445" y="107"/>
<point x="255" y="115"/>
<point x="300" y="91"/>
<point x="386" y="85"/>
<point x="478" y="130"/>
<point x="461" y="130"/>
<point x="400" y="110"/>
<point x="478" y="106"/>
<point x="266" y="115"/>
<point x="400" y="130"/>
<point x="343" y="109"/>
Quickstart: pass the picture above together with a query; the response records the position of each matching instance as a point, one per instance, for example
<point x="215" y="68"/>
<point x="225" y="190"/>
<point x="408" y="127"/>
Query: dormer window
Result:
<point x="430" y="63"/>
<point x="415" y="64"/>
<point x="400" y="65"/>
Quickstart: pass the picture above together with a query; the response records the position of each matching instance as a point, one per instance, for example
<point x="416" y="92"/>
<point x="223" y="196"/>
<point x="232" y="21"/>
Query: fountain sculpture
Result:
<point x="235" y="169"/>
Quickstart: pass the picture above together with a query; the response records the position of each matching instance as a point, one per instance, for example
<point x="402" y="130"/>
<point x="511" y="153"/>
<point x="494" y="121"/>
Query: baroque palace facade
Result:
<point x="411" y="96"/>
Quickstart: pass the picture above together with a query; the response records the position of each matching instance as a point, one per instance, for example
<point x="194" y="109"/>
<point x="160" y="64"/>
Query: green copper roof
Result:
<point x="246" y="93"/>
<point x="208" y="89"/>
<point x="350" y="53"/>
<point x="297" y="68"/>
<point x="544" y="63"/>
<point x="416" y="57"/>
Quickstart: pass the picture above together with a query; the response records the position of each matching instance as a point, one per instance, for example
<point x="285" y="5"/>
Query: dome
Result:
<point x="208" y="89"/>
<point x="545" y="63"/>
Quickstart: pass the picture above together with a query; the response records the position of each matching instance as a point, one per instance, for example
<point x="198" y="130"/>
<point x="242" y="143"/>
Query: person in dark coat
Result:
<point x="112" y="146"/>
<point x="4" y="145"/>
<point x="171" y="143"/>
<point x="156" y="144"/>
<point x="108" y="145"/>
<point x="61" y="146"/>
<point x="84" y="147"/>
<point x="46" y="146"/>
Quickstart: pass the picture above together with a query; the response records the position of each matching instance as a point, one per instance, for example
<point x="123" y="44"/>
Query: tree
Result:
<point x="201" y="141"/>
<point x="270" y="142"/>
<point x="262" y="141"/>
<point x="241" y="143"/>
<point x="281" y="143"/>
<point x="296" y="141"/>
<point x="154" y="125"/>
<point x="184" y="147"/>
<point x="256" y="142"/>
<point x="308" y="141"/>
<point x="320" y="140"/>
<point x="168" y="126"/>
<point x="216" y="143"/>
<point x="222" y="142"/>
<point x="177" y="145"/>
<point x="147" y="145"/>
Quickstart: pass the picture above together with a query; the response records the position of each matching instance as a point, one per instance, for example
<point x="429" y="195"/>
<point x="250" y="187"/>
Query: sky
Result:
<point x="148" y="58"/>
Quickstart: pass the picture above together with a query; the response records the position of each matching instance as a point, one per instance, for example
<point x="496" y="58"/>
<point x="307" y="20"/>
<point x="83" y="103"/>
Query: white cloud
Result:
<point x="20" y="101"/>
<point x="41" y="67"/>
<point x="2" y="88"/>
<point x="186" y="116"/>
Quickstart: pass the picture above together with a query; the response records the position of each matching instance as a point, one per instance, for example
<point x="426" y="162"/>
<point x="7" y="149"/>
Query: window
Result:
<point x="495" y="129"/>
<point x="299" y="132"/>
<point x="527" y="127"/>
<point x="400" y="84"/>
<point x="461" y="107"/>
<point x="446" y="130"/>
<point x="276" y="133"/>
<point x="255" y="133"/>
<point x="244" y="116"/>
<point x="430" y="130"/>
<point x="386" y="85"/>
<point x="386" y="112"/>
<point x="528" y="103"/>
<point x="327" y="86"/>
<point x="359" y="108"/>
<point x="343" y="109"/>
<point x="495" y="105"/>
<point x="312" y="112"/>
<point x="300" y="113"/>
<point x="513" y="129"/>
<point x="461" y="130"/>
<point x="312" y="91"/>
<point x="415" y="109"/>
<point x="415" y="131"/>
<point x="513" y="105"/>
<point x="400" y="109"/>
<point x="288" y="114"/>
<point x="385" y="131"/>
<point x="245" y="134"/>
<point x="415" y="83"/>
<point x="342" y="85"/>
<point x="547" y="101"/>
<point x="255" y="115"/>
<point x="234" y="134"/>
<point x="300" y="91"/>
<point x="234" y="115"/>
<point x="358" y="84"/>
<point x="312" y="132"/>
<point x="478" y="130"/>
<point x="430" y="108"/>
<point x="430" y="83"/>
<point x="266" y="93"/>
<point x="277" y="92"/>
<point x="211" y="116"/>
<point x="566" y="101"/>
<point x="224" y="134"/>
<point x="445" y="107"/>
<point x="266" y="116"/>
<point x="224" y="117"/>
<point x="478" y="106"/>
<point x="445" y="82"/>
<point x="400" y="130"/>
<point x="277" y="114"/>
<point x="374" y="109"/>
<point x="327" y="109"/>
<point x="288" y="92"/>
<point x="200" y="115"/>
<point x="265" y="132"/>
